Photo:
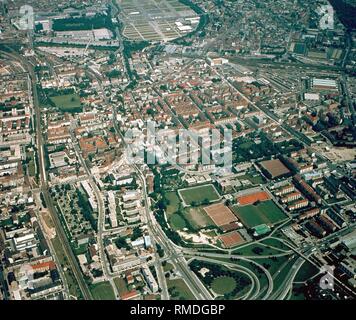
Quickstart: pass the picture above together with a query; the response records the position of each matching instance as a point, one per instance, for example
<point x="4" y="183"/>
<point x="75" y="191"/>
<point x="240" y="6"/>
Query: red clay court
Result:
<point x="231" y="239"/>
<point x="253" y="197"/>
<point x="220" y="214"/>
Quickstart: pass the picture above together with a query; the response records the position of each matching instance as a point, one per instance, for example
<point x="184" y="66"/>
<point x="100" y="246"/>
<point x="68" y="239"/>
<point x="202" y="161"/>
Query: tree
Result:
<point x="257" y="250"/>
<point x="160" y="252"/>
<point x="136" y="234"/>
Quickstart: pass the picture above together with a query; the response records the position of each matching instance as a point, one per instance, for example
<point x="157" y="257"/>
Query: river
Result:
<point x="346" y="12"/>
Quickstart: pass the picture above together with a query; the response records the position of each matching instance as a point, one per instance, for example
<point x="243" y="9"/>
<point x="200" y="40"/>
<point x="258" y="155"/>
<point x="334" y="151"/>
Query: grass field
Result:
<point x="223" y="285"/>
<point x="67" y="103"/>
<point x="82" y="249"/>
<point x="248" y="250"/>
<point x="179" y="290"/>
<point x="121" y="285"/>
<point x="168" y="267"/>
<point x="272" y="265"/>
<point x="102" y="291"/>
<point x="174" y="202"/>
<point x="255" y="178"/>
<point x="198" y="218"/>
<point x="177" y="222"/>
<point x="275" y="243"/>
<point x="265" y="212"/>
<point x="306" y="272"/>
<point x="198" y="195"/>
<point x="285" y="268"/>
<point x="296" y="292"/>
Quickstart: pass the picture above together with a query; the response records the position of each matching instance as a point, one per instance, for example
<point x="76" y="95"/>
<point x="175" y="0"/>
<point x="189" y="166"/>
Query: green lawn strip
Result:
<point x="249" y="250"/>
<point x="31" y="164"/>
<point x="275" y="243"/>
<point x="73" y="286"/>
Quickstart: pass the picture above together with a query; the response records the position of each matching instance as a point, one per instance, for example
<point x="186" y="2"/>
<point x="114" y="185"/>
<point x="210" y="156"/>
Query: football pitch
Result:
<point x="265" y="212"/>
<point x="199" y="194"/>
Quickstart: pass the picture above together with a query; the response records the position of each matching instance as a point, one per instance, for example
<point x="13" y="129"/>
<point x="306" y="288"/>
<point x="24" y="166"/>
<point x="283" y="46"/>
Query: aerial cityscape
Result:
<point x="177" y="150"/>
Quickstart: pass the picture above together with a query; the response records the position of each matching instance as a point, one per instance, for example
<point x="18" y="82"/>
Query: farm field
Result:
<point x="265" y="212"/>
<point x="197" y="195"/>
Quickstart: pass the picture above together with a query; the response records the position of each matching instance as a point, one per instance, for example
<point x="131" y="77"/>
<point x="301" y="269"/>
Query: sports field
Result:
<point x="197" y="195"/>
<point x="102" y="291"/>
<point x="231" y="239"/>
<point x="265" y="212"/>
<point x="220" y="214"/>
<point x="253" y="197"/>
